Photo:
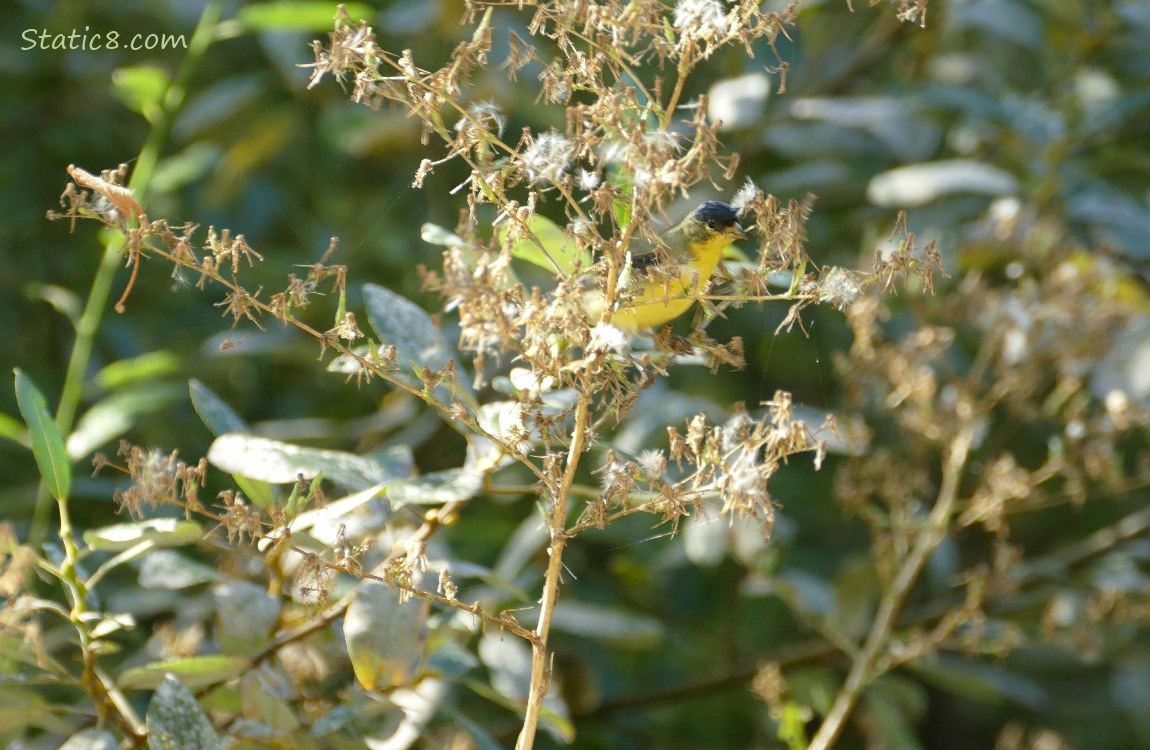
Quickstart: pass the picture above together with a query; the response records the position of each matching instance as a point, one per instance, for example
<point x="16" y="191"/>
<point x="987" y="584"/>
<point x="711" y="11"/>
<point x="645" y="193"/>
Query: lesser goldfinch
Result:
<point x="690" y="253"/>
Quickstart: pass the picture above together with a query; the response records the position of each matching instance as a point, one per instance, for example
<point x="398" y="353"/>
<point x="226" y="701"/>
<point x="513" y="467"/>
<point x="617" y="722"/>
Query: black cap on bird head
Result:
<point x="720" y="217"/>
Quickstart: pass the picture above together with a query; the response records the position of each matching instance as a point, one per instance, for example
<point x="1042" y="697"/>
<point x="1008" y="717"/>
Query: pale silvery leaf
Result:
<point x="280" y="463"/>
<point x="176" y="722"/>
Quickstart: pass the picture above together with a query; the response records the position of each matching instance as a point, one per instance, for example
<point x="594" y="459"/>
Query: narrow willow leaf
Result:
<point x="222" y="419"/>
<point x="47" y="442"/>
<point x="982" y="682"/>
<point x="214" y="411"/>
<point x="168" y="569"/>
<point x="500" y="419"/>
<point x="13" y="429"/>
<point x="433" y="234"/>
<point x="418" y="342"/>
<point x="195" y="671"/>
<point x="145" y="368"/>
<point x="295" y="15"/>
<point x="162" y="532"/>
<point x="547" y="246"/>
<point x="176" y="722"/>
<point x="589" y="620"/>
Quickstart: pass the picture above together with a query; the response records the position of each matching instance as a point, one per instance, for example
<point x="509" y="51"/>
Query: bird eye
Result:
<point x="713" y="224"/>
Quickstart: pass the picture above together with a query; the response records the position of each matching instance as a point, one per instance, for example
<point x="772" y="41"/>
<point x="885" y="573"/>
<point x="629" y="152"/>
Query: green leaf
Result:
<point x="280" y="463"/>
<point x="214" y="411"/>
<point x="146" y="367"/>
<point x="332" y="510"/>
<point x="385" y="638"/>
<point x="547" y="245"/>
<point x="418" y="342"/>
<point x="13" y="429"/>
<point x="296" y="16"/>
<point x="142" y="89"/>
<point x="162" y="532"/>
<point x="176" y="722"/>
<point x="47" y="443"/>
<point x="264" y="707"/>
<point x="195" y="671"/>
<point x="221" y="419"/>
<point x="895" y="705"/>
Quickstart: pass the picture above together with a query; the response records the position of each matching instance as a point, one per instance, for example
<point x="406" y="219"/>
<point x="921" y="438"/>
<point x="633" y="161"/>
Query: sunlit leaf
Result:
<point x="919" y="184"/>
<point x="280" y="463"/>
<point x="195" y="671"/>
<point x="500" y="419"/>
<point x="385" y="638"/>
<point x="91" y="738"/>
<point x="547" y="245"/>
<point x="295" y="15"/>
<point x="435" y="488"/>
<point x="176" y="722"/>
<point x="163" y="532"/>
<point x="141" y="88"/>
<point x="433" y="234"/>
<point x="146" y="367"/>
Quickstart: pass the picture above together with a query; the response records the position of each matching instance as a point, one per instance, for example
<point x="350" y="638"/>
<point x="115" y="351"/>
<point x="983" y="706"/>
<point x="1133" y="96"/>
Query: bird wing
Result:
<point x="672" y="249"/>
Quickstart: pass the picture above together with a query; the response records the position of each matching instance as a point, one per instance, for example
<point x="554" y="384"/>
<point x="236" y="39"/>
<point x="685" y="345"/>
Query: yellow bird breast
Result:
<point x="666" y="299"/>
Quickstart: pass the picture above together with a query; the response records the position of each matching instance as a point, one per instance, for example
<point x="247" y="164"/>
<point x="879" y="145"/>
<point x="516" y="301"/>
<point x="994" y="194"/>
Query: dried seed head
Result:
<point x="547" y="158"/>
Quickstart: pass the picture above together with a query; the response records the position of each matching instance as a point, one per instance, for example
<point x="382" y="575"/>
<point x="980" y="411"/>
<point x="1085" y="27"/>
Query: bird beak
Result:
<point x="736" y="232"/>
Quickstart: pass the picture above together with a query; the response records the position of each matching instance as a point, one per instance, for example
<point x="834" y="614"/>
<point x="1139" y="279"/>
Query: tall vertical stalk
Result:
<point x="540" y="672"/>
<point x="99" y="293"/>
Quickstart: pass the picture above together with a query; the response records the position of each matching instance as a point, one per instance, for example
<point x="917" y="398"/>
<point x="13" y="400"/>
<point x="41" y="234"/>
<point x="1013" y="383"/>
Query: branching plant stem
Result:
<point x="540" y="670"/>
<point x="870" y="662"/>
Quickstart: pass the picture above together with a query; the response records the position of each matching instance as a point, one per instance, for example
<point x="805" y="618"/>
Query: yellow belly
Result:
<point x="659" y="304"/>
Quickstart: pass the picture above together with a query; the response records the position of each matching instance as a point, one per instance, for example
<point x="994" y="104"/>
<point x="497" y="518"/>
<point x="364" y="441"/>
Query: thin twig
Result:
<point x="869" y="663"/>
